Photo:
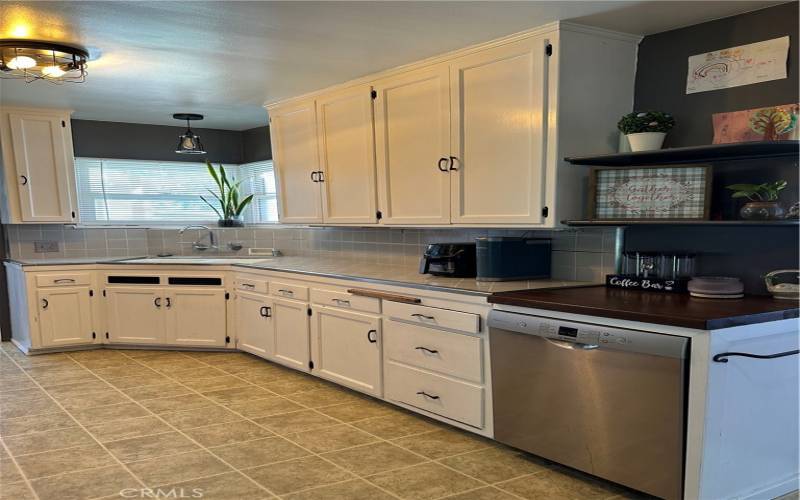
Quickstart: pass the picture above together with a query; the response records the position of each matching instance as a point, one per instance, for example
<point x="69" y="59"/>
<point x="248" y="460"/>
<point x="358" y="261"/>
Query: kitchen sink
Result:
<point x="220" y="261"/>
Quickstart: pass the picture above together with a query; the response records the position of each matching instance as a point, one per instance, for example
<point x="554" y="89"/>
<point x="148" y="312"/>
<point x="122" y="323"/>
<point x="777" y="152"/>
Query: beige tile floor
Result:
<point x="137" y="424"/>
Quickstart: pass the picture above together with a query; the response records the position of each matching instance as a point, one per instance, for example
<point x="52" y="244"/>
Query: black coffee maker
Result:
<point x="454" y="260"/>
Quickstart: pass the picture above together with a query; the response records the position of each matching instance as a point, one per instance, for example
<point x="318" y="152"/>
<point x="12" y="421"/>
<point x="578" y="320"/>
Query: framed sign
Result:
<point x="674" y="192"/>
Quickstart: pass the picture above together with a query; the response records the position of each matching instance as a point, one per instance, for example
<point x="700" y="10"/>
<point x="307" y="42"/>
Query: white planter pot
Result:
<point x="646" y="141"/>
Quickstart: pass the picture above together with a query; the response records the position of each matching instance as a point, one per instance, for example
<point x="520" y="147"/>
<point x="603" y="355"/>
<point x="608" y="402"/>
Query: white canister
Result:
<point x="646" y="141"/>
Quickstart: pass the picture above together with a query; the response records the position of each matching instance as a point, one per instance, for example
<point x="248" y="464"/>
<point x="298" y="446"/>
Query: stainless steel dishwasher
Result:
<point x="607" y="401"/>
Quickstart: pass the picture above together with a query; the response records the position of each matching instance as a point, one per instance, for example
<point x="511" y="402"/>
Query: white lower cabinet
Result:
<point x="290" y="318"/>
<point x="255" y="330"/>
<point x="196" y="317"/>
<point x="346" y="348"/>
<point x="135" y="315"/>
<point x="454" y="399"/>
<point x="65" y="316"/>
<point x="147" y="315"/>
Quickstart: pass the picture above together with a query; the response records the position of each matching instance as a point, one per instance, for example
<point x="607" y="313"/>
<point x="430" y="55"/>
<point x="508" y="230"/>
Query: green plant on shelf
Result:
<point x="768" y="191"/>
<point x="647" y="121"/>
<point x="229" y="205"/>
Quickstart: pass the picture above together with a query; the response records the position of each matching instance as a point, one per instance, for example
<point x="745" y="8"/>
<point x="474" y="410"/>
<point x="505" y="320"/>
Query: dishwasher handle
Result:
<point x="586" y="336"/>
<point x="574" y="346"/>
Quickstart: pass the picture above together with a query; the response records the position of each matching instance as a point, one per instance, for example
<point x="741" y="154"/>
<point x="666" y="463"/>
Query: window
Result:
<point x="147" y="192"/>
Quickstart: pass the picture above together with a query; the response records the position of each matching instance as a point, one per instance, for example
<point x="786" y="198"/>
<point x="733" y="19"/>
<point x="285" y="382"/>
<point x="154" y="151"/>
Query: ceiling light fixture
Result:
<point x="33" y="60"/>
<point x="189" y="143"/>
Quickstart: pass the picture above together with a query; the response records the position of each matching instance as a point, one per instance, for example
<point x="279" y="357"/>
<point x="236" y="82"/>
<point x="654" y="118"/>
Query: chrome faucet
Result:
<point x="212" y="243"/>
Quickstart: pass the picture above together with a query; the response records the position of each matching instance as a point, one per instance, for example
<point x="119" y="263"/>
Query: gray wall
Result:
<point x="98" y="139"/>
<point x="256" y="145"/>
<point x="745" y="252"/>
<point x="662" y="68"/>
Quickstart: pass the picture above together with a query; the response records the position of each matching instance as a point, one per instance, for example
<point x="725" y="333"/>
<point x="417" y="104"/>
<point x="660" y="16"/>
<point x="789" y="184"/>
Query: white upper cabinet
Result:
<point x="294" y="146"/>
<point x="499" y="110"/>
<point x="412" y="142"/>
<point x="473" y="138"/>
<point x="39" y="173"/>
<point x="347" y="156"/>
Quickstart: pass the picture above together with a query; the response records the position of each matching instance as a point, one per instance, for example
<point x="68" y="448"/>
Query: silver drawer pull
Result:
<point x="422" y="316"/>
<point x="341" y="302"/>
<point x="248" y="285"/>
<point x="430" y="351"/>
<point x="426" y="395"/>
<point x="64" y="280"/>
<point x="288" y="292"/>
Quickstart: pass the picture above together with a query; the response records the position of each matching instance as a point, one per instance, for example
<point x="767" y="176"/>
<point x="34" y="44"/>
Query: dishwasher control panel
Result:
<point x="580" y="334"/>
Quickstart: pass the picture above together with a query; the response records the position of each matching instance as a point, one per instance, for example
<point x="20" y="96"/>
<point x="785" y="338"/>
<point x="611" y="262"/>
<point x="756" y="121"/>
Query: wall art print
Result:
<point x="773" y="123"/>
<point x="673" y="192"/>
<point x="737" y="66"/>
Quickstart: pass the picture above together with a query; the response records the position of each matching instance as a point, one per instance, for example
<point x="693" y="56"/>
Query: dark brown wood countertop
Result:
<point x="653" y="307"/>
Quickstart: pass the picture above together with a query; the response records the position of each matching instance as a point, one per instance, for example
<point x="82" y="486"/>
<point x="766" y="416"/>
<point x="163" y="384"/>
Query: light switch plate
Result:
<point x="45" y="246"/>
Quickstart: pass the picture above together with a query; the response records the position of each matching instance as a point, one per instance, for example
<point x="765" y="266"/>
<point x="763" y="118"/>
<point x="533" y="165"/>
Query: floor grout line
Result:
<point x="250" y="366"/>
<point x="19" y="469"/>
<point x="79" y="425"/>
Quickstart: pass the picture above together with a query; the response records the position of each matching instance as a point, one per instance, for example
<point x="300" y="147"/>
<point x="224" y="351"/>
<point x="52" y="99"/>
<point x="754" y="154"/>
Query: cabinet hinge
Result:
<point x="227" y="340"/>
<point x="309" y="311"/>
<point x="379" y="215"/>
<point x="227" y="296"/>
<point x="94" y="335"/>
<point x="548" y="49"/>
<point x="545" y="211"/>
<point x="63" y="124"/>
<point x="374" y="94"/>
<point x="104" y="293"/>
<point x="91" y="293"/>
<point x="310" y="365"/>
<point x="73" y="214"/>
<point x="106" y="334"/>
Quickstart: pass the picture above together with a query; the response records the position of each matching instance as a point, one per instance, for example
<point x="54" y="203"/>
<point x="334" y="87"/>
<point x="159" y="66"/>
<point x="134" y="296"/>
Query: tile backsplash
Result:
<point x="585" y="254"/>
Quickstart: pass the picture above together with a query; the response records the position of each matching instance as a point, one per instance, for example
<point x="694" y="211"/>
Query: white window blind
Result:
<point x="259" y="180"/>
<point x="142" y="192"/>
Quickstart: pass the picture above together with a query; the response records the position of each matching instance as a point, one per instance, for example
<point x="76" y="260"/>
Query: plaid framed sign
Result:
<point x="674" y="192"/>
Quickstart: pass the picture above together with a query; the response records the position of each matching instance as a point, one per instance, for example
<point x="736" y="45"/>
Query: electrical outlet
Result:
<point x="45" y="246"/>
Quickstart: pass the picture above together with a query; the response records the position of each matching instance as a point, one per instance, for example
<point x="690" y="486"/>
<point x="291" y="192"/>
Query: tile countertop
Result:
<point x="652" y="307"/>
<point x="357" y="271"/>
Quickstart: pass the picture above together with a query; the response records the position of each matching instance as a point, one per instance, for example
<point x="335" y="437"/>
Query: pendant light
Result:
<point x="189" y="143"/>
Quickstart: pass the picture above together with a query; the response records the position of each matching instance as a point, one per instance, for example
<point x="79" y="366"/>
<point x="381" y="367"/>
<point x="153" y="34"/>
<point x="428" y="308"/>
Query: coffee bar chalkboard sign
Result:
<point x="675" y="192"/>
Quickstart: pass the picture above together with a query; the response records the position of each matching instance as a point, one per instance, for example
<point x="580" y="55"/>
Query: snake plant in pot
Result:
<point x="229" y="206"/>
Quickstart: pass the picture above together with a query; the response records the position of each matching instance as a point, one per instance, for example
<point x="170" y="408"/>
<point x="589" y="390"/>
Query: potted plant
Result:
<point x="229" y="206"/>
<point x="646" y="130"/>
<point x="763" y="200"/>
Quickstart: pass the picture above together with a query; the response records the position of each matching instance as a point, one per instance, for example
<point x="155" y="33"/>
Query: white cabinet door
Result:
<point x="254" y="328"/>
<point x="136" y="315"/>
<point x="65" y="316"/>
<point x="290" y="318"/>
<point x="412" y="142"/>
<point x="347" y="156"/>
<point x="346" y="348"/>
<point x="196" y="317"/>
<point x="499" y="111"/>
<point x="295" y="153"/>
<point x="43" y="160"/>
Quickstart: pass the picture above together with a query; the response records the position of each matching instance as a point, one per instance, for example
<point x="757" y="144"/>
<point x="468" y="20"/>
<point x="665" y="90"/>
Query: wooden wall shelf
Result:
<point x="694" y="154"/>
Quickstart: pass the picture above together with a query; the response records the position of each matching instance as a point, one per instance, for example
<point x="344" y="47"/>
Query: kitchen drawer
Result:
<point x="434" y="393"/>
<point x="345" y="300"/>
<point x="250" y="284"/>
<point x="433" y="316"/>
<point x="288" y="290"/>
<point x="444" y="352"/>
<point x="63" y="279"/>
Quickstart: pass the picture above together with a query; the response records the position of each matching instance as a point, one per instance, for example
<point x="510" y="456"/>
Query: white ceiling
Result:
<point x="225" y="59"/>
